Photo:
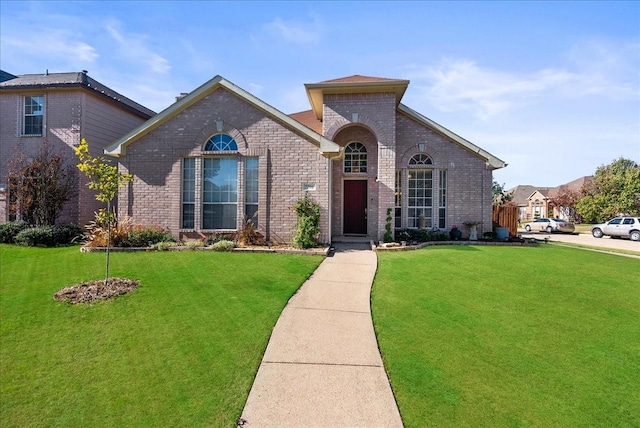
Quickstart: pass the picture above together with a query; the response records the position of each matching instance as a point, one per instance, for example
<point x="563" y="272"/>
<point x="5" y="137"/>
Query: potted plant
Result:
<point x="455" y="234"/>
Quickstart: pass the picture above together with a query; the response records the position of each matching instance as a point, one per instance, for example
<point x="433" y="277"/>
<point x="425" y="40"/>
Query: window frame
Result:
<point x="357" y="159"/>
<point x="206" y="204"/>
<point x="24" y="115"/>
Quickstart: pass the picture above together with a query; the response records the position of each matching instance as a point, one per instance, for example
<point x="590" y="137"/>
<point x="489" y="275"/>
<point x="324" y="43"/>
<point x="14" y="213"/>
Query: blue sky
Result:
<point x="552" y="88"/>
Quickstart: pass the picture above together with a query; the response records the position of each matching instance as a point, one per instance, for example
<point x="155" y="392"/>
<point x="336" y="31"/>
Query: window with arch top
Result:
<point x="221" y="143"/>
<point x="420" y="161"/>
<point x="355" y="158"/>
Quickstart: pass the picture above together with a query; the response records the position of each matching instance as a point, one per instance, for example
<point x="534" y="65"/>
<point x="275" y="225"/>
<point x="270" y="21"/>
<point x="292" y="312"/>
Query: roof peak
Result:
<point x="358" y="78"/>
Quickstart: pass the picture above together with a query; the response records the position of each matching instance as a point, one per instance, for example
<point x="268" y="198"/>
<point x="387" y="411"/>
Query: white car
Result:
<point x="628" y="227"/>
<point x="550" y="225"/>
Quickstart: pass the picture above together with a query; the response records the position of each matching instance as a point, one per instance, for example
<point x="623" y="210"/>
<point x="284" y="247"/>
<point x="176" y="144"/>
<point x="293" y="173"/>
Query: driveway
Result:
<point x="585" y="239"/>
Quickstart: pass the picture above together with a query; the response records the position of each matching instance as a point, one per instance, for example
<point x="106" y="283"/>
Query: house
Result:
<point x="61" y="108"/>
<point x="220" y="155"/>
<point x="534" y="202"/>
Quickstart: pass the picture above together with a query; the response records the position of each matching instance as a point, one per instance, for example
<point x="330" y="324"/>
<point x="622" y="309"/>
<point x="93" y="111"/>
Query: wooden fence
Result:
<point x="506" y="216"/>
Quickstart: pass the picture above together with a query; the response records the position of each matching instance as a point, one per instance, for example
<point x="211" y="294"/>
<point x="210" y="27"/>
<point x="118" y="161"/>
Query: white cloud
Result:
<point x="459" y="84"/>
<point x="134" y="48"/>
<point x="595" y="69"/>
<point x="53" y="44"/>
<point x="296" y="32"/>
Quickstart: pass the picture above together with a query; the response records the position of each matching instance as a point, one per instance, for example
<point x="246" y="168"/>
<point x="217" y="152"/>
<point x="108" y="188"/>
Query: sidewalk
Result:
<point x="322" y="367"/>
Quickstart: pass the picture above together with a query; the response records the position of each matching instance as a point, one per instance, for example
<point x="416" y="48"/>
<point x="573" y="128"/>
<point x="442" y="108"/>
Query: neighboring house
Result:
<point x="61" y="108"/>
<point x="535" y="202"/>
<point x="220" y="155"/>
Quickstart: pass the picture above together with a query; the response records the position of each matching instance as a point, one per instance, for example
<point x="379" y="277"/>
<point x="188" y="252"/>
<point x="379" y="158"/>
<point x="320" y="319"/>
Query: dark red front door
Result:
<point x="355" y="206"/>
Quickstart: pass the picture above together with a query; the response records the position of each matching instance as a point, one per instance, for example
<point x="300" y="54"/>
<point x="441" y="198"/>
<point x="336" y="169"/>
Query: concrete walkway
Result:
<point x="322" y="367"/>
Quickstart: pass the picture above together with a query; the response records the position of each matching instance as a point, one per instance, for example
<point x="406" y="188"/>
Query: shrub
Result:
<point x="8" y="231"/>
<point x="48" y="236"/>
<point x="192" y="245"/>
<point x="125" y="233"/>
<point x="144" y="236"/>
<point x="224" y="245"/>
<point x="308" y="225"/>
<point x="164" y="246"/>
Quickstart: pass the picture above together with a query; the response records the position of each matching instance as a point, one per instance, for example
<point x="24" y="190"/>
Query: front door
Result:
<point x="355" y="207"/>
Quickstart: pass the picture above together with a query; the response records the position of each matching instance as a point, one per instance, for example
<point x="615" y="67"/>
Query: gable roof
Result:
<point x="492" y="162"/>
<point x="119" y="146"/>
<point x="357" y="78"/>
<point x="74" y="80"/>
<point x="353" y="85"/>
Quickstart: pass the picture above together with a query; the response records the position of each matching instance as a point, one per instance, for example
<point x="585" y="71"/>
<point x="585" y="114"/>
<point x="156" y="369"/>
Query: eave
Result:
<point x="492" y="161"/>
<point x="118" y="148"/>
<point x="317" y="91"/>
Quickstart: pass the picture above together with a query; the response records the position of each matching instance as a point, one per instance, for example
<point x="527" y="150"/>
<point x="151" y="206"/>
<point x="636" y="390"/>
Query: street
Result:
<point x="584" y="239"/>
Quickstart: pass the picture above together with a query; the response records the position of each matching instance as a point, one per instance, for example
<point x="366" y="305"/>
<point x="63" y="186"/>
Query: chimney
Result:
<point x="181" y="96"/>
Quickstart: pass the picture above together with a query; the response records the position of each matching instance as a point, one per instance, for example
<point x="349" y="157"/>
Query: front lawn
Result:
<point x="181" y="350"/>
<point x="502" y="336"/>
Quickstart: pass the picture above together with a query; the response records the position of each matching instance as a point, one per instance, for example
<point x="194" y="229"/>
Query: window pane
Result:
<point x="188" y="192"/>
<point x="33" y="115"/>
<point x="420" y="199"/>
<point x="355" y="158"/>
<point x="219" y="193"/>
<point x="251" y="189"/>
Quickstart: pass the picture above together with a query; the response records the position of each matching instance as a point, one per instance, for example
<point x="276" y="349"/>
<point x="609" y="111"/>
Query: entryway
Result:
<point x="355" y="207"/>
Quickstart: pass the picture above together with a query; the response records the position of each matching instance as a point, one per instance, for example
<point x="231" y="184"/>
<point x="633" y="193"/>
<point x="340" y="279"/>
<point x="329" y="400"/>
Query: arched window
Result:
<point x="221" y="143"/>
<point x="420" y="161"/>
<point x="355" y="158"/>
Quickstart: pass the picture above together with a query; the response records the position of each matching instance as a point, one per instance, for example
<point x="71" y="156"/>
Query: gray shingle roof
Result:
<point x="80" y="79"/>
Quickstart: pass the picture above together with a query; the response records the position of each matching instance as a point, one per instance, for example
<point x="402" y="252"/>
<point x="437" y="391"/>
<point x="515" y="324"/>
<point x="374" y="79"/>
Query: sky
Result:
<point x="550" y="87"/>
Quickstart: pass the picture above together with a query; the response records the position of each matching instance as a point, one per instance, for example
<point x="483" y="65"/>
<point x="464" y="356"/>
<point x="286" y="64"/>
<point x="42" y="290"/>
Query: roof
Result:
<point x="4" y="76"/>
<point x="118" y="148"/>
<point x="308" y="119"/>
<point x="522" y="193"/>
<point x="491" y="161"/>
<point x="357" y="78"/>
<point x="353" y="85"/>
<point x="74" y="80"/>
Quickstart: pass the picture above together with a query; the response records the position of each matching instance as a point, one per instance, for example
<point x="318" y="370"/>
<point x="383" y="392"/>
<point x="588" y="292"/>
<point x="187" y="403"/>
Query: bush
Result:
<point x="49" y="236"/>
<point x="223" y="245"/>
<point x="146" y="236"/>
<point x="308" y="225"/>
<point x="164" y="246"/>
<point x="8" y="231"/>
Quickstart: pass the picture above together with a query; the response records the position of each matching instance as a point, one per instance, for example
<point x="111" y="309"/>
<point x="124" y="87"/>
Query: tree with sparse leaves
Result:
<point x="40" y="186"/>
<point x="105" y="180"/>
<point x="500" y="195"/>
<point x="614" y="190"/>
<point x="565" y="201"/>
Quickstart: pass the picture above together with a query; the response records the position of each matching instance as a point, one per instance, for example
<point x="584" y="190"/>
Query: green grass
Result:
<point x="501" y="336"/>
<point x="182" y="350"/>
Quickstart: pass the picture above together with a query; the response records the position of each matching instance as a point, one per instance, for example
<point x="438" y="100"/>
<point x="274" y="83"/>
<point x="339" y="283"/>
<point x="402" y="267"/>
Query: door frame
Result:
<point x="366" y="201"/>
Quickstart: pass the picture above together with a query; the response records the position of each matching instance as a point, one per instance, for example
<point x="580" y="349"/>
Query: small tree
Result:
<point x="105" y="180"/>
<point x="500" y="196"/>
<point x="39" y="187"/>
<point x="565" y="202"/>
<point x="308" y="225"/>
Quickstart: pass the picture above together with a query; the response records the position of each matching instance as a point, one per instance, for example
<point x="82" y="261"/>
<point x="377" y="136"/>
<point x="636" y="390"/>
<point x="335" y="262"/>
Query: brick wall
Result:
<point x="468" y="179"/>
<point x="69" y="115"/>
<point x="374" y="113"/>
<point x="286" y="162"/>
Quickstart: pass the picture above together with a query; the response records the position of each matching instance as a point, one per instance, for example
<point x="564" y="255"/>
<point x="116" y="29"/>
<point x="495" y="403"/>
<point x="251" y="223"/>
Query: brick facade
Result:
<point x="71" y="112"/>
<point x="293" y="158"/>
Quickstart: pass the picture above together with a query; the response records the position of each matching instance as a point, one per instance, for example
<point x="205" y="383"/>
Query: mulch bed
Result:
<point x="93" y="291"/>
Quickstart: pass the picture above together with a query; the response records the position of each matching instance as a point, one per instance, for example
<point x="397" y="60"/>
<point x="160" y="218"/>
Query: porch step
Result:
<point x="351" y="239"/>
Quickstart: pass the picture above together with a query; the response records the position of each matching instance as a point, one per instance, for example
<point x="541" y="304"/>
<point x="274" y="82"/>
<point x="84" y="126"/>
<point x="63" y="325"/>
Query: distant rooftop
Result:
<point x="73" y="79"/>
